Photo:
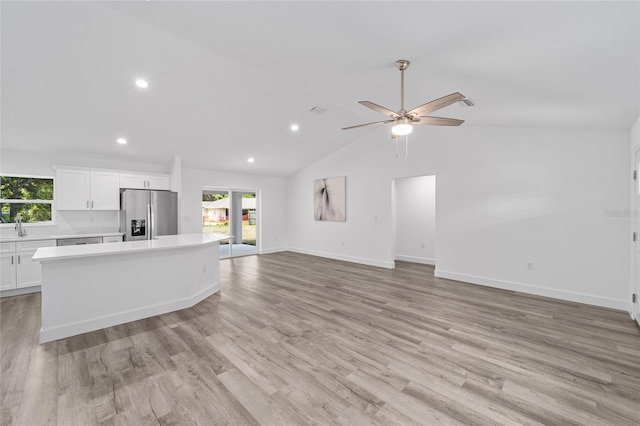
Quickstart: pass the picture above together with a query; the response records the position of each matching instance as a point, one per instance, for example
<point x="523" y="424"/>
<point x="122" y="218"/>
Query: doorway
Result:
<point x="233" y="213"/>
<point x="414" y="207"/>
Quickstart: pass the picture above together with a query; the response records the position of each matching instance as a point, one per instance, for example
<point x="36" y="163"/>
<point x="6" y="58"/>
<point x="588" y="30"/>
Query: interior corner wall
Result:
<point x="507" y="197"/>
<point x="634" y="146"/>
<point x="415" y="201"/>
<point x="175" y="169"/>
<point x="271" y="196"/>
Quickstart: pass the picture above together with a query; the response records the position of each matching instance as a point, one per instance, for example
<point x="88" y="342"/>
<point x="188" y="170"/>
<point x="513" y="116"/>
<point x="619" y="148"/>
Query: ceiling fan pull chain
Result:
<point x="397" y="148"/>
<point x="406" y="147"/>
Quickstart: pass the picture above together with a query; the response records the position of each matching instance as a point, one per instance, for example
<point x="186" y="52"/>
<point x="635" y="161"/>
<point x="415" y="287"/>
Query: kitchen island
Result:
<point x="86" y="288"/>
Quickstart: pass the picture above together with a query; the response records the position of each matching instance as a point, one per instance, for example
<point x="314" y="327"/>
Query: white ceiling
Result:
<point x="228" y="78"/>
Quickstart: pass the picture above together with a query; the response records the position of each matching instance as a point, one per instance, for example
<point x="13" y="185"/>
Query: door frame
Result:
<point x="635" y="225"/>
<point x="394" y="216"/>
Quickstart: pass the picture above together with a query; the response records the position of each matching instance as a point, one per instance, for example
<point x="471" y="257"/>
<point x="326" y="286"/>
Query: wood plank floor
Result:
<point x="296" y="340"/>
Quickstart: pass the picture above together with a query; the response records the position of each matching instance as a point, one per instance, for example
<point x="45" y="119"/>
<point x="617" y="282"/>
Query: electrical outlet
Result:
<point x="204" y="269"/>
<point x="530" y="266"/>
<point x="423" y="245"/>
<point x="342" y="244"/>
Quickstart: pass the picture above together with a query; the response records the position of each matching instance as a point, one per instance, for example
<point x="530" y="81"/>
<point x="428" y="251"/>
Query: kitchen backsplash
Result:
<point x="70" y="223"/>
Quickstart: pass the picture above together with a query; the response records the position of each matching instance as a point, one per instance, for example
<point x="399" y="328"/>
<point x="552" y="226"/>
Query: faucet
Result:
<point x="21" y="232"/>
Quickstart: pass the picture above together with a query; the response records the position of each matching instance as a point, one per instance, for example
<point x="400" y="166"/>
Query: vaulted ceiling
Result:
<point x="227" y="79"/>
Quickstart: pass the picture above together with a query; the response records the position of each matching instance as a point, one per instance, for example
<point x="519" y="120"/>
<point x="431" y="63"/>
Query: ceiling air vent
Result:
<point x="318" y="110"/>
<point x="466" y="102"/>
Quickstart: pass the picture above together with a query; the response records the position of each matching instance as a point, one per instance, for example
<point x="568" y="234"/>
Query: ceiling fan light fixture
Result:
<point x="402" y="127"/>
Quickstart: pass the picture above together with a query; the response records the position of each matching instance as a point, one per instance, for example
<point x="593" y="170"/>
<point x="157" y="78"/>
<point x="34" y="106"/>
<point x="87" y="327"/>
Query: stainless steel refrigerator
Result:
<point x="146" y="214"/>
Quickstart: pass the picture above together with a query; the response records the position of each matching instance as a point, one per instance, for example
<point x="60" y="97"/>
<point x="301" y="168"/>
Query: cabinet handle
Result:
<point x="18" y="259"/>
<point x="12" y="260"/>
<point x="87" y="203"/>
<point x="91" y="204"/>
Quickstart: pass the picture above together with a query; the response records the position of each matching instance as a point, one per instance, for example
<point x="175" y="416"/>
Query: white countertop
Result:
<point x="58" y="237"/>
<point x="46" y="254"/>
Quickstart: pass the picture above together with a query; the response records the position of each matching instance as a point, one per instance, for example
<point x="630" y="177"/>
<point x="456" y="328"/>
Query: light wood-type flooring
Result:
<point x="296" y="340"/>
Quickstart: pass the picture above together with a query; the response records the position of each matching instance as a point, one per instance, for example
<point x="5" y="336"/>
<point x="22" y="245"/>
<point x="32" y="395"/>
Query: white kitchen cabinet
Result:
<point x="28" y="272"/>
<point x="72" y="189"/>
<point x="18" y="268"/>
<point x="145" y="181"/>
<point x="105" y="191"/>
<point x="8" y="265"/>
<point x="161" y="182"/>
<point x="78" y="189"/>
<point x="112" y="239"/>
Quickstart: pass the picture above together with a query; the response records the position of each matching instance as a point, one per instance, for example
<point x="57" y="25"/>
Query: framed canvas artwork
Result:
<point x="330" y="199"/>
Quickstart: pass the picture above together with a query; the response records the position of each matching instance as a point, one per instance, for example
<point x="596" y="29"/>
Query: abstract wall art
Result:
<point x="330" y="199"/>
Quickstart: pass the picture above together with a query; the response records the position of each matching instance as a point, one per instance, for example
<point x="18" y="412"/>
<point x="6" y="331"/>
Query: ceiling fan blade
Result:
<point x="439" y="121"/>
<point x="379" y="109"/>
<point x="436" y="104"/>
<point x="367" y="124"/>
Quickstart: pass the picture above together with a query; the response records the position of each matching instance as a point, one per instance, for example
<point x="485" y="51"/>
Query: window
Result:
<point x="29" y="196"/>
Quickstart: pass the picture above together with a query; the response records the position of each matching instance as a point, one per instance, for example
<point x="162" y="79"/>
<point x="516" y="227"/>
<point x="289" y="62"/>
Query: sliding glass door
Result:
<point x="233" y="213"/>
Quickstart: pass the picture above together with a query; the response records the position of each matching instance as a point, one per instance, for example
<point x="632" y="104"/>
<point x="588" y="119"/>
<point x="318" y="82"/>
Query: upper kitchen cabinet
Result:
<point x="145" y="181"/>
<point x="78" y="189"/>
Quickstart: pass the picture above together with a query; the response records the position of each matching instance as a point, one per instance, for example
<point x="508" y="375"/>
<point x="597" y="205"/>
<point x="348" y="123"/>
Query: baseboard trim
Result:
<point x="362" y="260"/>
<point x="273" y="250"/>
<point x="20" y="291"/>
<point x="570" y="296"/>
<point x="75" y="328"/>
<point x="415" y="259"/>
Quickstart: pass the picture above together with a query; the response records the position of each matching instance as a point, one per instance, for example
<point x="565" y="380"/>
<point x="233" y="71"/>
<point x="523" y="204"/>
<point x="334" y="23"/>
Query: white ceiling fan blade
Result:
<point x="367" y="124"/>
<point x="436" y="104"/>
<point x="439" y="121"/>
<point x="380" y="109"/>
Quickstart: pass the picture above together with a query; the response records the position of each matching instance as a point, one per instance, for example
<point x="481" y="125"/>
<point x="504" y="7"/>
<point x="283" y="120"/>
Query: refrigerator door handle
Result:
<point x="152" y="215"/>
<point x="149" y="222"/>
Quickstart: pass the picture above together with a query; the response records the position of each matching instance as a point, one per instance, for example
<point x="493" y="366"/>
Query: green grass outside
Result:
<point x="248" y="231"/>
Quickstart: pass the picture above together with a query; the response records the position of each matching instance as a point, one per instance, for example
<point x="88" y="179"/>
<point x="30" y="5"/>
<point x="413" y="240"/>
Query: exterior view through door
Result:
<point x="232" y="213"/>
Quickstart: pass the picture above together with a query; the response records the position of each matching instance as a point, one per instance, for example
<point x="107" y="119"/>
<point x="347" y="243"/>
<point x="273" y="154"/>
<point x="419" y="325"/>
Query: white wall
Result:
<point x="67" y="222"/>
<point x="415" y="203"/>
<point x="506" y="197"/>
<point x="272" y="198"/>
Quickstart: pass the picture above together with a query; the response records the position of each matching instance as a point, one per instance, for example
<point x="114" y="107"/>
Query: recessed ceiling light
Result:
<point x="121" y="141"/>
<point x="142" y="83"/>
<point x="251" y="160"/>
<point x="294" y="127"/>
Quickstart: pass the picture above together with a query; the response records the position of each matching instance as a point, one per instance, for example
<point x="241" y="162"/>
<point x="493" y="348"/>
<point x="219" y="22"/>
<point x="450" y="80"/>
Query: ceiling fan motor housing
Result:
<point x="402" y="64"/>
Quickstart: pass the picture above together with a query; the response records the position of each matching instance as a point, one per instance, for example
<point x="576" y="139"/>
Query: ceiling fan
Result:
<point x="403" y="120"/>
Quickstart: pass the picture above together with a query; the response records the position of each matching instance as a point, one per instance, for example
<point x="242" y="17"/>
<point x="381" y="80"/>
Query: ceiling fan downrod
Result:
<point x="402" y="65"/>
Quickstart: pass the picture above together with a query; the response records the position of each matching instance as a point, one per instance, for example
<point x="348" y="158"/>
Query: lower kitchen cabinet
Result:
<point x="8" y="265"/>
<point x="18" y="268"/>
<point x="28" y="274"/>
<point x="112" y="239"/>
